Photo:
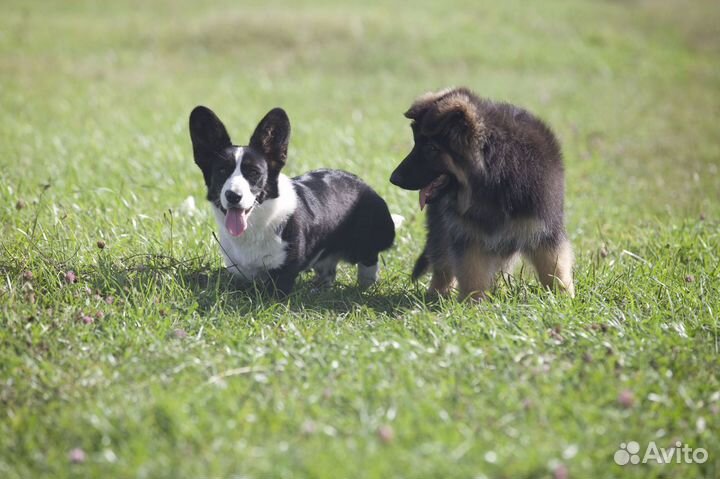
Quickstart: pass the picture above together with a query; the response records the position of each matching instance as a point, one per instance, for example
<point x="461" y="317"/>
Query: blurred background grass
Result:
<point x="627" y="85"/>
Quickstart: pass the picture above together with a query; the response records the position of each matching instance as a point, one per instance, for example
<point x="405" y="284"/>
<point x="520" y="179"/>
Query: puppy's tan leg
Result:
<point x="476" y="271"/>
<point x="443" y="279"/>
<point x="554" y="266"/>
<point x="508" y="267"/>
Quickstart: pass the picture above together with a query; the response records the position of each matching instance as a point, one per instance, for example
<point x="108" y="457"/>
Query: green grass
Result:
<point x="184" y="376"/>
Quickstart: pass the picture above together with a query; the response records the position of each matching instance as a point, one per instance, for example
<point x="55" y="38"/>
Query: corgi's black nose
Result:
<point x="232" y="197"/>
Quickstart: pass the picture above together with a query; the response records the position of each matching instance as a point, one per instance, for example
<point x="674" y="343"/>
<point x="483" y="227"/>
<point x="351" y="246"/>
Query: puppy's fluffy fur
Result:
<point x="493" y="179"/>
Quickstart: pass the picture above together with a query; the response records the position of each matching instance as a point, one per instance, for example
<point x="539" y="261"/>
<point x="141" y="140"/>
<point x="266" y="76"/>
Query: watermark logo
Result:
<point x="629" y="453"/>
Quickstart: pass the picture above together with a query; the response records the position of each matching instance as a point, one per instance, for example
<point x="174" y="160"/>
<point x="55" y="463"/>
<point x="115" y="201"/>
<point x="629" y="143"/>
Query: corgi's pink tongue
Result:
<point x="236" y="221"/>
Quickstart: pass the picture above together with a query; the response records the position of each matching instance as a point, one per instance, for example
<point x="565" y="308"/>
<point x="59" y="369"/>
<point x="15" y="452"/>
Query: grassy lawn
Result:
<point x="148" y="363"/>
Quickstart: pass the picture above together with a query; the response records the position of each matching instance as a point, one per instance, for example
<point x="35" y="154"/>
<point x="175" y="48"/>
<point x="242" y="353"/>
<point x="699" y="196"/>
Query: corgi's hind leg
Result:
<point x="325" y="272"/>
<point x="367" y="275"/>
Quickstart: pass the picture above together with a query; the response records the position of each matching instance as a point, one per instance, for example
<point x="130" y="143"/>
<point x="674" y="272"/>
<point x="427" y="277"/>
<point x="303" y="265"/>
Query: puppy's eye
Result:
<point x="432" y="148"/>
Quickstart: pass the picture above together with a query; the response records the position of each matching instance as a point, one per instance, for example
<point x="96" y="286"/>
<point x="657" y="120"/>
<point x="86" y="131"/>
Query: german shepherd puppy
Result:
<point x="492" y="177"/>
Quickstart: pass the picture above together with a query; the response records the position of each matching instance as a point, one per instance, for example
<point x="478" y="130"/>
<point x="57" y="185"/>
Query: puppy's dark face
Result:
<point x="238" y="178"/>
<point x="425" y="168"/>
<point x="447" y="151"/>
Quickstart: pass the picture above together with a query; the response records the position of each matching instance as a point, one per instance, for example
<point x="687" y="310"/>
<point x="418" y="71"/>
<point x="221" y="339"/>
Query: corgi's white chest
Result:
<point x="251" y="256"/>
<point x="260" y="248"/>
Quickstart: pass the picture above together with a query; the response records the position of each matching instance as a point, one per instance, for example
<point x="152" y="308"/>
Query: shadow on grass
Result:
<point x="158" y="278"/>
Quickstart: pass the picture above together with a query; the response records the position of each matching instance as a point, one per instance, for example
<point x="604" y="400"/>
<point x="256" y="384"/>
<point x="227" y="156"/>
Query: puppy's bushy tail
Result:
<point x="421" y="265"/>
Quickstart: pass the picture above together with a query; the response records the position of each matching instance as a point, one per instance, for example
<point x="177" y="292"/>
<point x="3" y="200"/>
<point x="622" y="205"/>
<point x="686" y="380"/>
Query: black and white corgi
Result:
<point x="273" y="227"/>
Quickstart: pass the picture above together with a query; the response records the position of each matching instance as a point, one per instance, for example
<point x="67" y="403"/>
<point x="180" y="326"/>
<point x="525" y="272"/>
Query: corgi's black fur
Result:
<point x="493" y="179"/>
<point x="272" y="227"/>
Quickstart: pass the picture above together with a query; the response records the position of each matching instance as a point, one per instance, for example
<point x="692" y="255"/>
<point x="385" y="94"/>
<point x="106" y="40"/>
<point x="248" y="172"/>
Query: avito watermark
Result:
<point x="629" y="453"/>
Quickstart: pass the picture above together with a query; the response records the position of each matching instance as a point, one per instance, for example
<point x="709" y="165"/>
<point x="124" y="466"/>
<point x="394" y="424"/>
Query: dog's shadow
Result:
<point x="389" y="296"/>
<point x="212" y="289"/>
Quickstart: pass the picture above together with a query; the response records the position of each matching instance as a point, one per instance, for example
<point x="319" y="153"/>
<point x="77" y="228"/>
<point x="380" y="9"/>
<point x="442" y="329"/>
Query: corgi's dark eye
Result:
<point x="432" y="148"/>
<point x="251" y="173"/>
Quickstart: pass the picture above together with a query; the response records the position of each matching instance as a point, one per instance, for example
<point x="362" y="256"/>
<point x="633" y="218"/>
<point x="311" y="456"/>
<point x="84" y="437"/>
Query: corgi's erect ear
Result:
<point x="272" y="137"/>
<point x="209" y="137"/>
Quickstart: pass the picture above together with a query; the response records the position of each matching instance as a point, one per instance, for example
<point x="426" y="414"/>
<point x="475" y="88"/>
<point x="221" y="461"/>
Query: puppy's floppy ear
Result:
<point x="209" y="137"/>
<point x="423" y="103"/>
<point x="456" y="117"/>
<point x="271" y="138"/>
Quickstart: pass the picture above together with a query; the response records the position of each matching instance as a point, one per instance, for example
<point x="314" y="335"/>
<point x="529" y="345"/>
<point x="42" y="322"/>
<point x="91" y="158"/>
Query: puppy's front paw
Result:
<point x="439" y="292"/>
<point x="441" y="285"/>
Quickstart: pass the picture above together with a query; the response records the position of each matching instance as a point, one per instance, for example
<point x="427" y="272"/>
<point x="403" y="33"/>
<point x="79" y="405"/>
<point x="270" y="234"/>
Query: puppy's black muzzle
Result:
<point x="397" y="179"/>
<point x="403" y="176"/>
<point x="412" y="174"/>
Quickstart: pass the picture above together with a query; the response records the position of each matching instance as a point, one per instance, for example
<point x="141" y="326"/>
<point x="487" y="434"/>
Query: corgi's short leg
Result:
<point x="325" y="272"/>
<point x="367" y="275"/>
<point x="282" y="281"/>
